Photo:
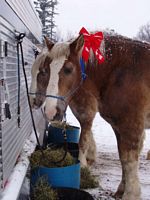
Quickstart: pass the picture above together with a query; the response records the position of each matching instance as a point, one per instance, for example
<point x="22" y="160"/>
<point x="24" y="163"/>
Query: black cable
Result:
<point x="20" y="37"/>
<point x="18" y="107"/>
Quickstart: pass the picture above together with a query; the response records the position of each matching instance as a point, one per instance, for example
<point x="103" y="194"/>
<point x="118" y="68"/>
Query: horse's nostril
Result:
<point x="58" y="116"/>
<point x="36" y="103"/>
<point x="32" y="102"/>
<point x="58" y="110"/>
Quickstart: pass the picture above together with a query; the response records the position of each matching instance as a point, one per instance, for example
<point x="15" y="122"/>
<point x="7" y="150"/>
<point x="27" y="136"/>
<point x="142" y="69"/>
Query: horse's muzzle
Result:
<point x="54" y="114"/>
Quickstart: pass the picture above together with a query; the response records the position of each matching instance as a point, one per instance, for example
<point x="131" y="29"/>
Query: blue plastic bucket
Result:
<point x="58" y="177"/>
<point x="55" y="135"/>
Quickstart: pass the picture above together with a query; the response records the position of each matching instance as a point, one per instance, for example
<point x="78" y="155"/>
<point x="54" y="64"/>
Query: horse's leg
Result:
<point x="148" y="155"/>
<point x="87" y="148"/>
<point x="91" y="152"/>
<point x="121" y="187"/>
<point x="147" y="126"/>
<point x="84" y="110"/>
<point x="129" y="145"/>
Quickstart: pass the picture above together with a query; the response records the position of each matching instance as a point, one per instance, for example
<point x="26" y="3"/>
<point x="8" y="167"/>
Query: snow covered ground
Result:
<point x="107" y="167"/>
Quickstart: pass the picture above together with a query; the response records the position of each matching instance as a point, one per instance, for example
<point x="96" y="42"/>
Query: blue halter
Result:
<point x="82" y="64"/>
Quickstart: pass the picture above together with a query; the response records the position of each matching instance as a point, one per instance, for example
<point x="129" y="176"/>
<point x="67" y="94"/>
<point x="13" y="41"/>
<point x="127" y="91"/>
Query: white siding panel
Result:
<point x="12" y="138"/>
<point x="22" y="9"/>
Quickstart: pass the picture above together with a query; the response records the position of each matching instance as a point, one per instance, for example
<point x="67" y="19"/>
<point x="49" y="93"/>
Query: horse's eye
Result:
<point x="67" y="70"/>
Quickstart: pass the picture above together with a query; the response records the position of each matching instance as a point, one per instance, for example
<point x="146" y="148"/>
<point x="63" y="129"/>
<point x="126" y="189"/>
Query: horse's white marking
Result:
<point x="58" y="55"/>
<point x="82" y="158"/>
<point x="52" y="89"/>
<point x="35" y="69"/>
<point x="132" y="183"/>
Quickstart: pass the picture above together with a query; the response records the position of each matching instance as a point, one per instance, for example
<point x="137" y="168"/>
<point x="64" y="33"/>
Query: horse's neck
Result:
<point x="115" y="56"/>
<point x="121" y="55"/>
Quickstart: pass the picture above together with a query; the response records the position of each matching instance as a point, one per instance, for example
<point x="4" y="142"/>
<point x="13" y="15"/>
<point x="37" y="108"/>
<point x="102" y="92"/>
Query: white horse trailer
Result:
<point x="15" y="16"/>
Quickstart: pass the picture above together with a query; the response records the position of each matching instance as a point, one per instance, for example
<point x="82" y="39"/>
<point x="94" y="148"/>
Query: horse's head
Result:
<point x="56" y="74"/>
<point x="40" y="76"/>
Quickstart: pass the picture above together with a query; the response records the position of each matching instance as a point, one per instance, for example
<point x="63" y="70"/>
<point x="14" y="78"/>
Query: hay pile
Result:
<point x="87" y="179"/>
<point x="42" y="191"/>
<point x="61" y="125"/>
<point x="50" y="158"/>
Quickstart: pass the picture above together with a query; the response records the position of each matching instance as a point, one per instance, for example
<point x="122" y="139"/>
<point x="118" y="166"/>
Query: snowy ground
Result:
<point x="107" y="167"/>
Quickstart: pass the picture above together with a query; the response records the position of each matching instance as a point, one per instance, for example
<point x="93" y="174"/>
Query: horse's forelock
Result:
<point x="39" y="61"/>
<point x="59" y="50"/>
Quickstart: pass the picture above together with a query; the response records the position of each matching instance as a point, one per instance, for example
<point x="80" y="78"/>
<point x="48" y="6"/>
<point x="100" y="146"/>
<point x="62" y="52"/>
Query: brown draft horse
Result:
<point x="119" y="89"/>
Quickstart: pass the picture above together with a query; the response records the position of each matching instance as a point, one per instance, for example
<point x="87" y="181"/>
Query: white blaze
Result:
<point x="35" y="70"/>
<point x="52" y="89"/>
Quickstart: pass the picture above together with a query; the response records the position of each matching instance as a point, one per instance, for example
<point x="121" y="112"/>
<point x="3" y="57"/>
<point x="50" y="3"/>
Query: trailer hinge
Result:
<point x="3" y="48"/>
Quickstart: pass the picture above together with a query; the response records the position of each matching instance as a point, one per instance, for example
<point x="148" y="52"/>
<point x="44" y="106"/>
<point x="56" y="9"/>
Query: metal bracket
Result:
<point x="1" y="82"/>
<point x="3" y="49"/>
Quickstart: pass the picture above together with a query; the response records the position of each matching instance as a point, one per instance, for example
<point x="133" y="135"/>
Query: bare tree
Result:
<point x="144" y="32"/>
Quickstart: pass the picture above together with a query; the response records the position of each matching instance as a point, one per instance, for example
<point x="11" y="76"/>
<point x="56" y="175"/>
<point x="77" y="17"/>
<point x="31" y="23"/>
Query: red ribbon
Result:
<point x="92" y="41"/>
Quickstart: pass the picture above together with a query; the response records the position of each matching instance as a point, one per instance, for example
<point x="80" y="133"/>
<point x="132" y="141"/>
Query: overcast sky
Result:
<point x="124" y="16"/>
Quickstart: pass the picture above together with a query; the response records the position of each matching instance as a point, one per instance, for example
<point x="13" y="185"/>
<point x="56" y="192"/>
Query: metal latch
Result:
<point x="5" y="101"/>
<point x="3" y="48"/>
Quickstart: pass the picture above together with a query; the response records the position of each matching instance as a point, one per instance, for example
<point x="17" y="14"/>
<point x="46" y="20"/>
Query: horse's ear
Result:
<point x="77" y="44"/>
<point x="48" y="43"/>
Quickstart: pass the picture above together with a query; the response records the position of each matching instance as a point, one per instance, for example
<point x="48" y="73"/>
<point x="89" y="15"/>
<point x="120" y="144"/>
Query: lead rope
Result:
<point x="65" y="136"/>
<point x="19" y="40"/>
<point x="19" y="45"/>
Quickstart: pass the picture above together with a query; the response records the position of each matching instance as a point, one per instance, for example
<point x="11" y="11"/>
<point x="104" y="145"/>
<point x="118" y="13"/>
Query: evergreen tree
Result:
<point x="46" y="11"/>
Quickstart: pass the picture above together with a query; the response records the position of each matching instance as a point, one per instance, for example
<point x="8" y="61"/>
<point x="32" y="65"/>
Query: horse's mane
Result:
<point x="60" y="49"/>
<point x="116" y="38"/>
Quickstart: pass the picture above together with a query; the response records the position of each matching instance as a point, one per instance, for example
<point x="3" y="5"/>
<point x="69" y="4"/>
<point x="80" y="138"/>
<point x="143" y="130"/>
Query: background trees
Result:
<point x="46" y="10"/>
<point x="144" y="32"/>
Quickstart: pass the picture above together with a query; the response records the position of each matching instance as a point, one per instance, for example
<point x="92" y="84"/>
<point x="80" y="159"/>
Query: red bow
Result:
<point x="92" y="41"/>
